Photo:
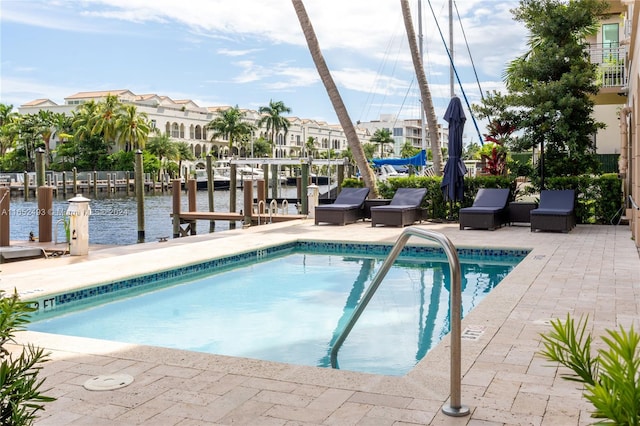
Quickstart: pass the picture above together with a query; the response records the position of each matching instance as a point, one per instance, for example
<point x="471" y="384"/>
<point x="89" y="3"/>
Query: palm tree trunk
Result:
<point x="425" y="94"/>
<point x="336" y="99"/>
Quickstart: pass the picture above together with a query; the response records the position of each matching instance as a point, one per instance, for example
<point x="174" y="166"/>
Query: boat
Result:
<point x="219" y="181"/>
<point x="315" y="179"/>
<point x="244" y="173"/>
<point x="386" y="171"/>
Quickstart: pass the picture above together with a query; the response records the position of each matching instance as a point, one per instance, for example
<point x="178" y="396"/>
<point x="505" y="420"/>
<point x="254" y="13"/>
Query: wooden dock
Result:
<point x="256" y="212"/>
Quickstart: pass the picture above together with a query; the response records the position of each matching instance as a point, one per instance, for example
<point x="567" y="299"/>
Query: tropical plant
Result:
<point x="552" y="86"/>
<point x="31" y="130"/>
<point x="9" y="130"/>
<point x="273" y="120"/>
<point x="382" y="137"/>
<point x="229" y="124"/>
<point x="310" y="147"/>
<point x="21" y="396"/>
<point x="184" y="153"/>
<point x="105" y="121"/>
<point x="408" y="150"/>
<point x="494" y="157"/>
<point x="261" y="148"/>
<point x="336" y="100"/>
<point x="164" y="148"/>
<point x="610" y="378"/>
<point x="369" y="150"/>
<point x="132" y="128"/>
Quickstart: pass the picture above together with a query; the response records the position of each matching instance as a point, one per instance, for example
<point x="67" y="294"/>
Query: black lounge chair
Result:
<point x="489" y="209"/>
<point x="556" y="211"/>
<point x="404" y="208"/>
<point x="347" y="208"/>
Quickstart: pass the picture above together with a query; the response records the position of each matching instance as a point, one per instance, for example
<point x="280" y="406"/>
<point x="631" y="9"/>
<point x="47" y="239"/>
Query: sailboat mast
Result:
<point x="423" y="118"/>
<point x="451" y="70"/>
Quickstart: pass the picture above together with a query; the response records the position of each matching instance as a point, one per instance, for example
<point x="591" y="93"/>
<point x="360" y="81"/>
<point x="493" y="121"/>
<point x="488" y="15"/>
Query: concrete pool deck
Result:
<point x="593" y="270"/>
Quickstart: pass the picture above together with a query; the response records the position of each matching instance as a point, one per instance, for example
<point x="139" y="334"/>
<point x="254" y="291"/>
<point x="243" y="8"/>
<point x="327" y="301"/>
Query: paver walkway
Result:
<point x="593" y="270"/>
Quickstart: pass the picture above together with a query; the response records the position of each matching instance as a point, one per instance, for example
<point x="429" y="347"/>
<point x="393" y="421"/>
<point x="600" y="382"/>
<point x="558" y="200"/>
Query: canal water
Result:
<point x="114" y="217"/>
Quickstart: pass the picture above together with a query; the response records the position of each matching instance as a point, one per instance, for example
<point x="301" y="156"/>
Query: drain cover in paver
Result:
<point x="108" y="382"/>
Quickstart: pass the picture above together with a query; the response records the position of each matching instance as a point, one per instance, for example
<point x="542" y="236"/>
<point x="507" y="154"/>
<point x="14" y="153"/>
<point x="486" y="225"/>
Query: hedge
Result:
<point x="599" y="199"/>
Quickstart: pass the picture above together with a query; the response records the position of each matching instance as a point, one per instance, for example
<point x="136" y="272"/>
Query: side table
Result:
<point x="519" y="211"/>
<point x="372" y="203"/>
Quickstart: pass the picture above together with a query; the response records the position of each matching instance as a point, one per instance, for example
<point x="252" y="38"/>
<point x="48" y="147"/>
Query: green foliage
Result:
<point x="382" y="137"/>
<point x="610" y="378"/>
<point x="20" y="388"/>
<point x="434" y="202"/>
<point x="369" y="150"/>
<point x="273" y="120"/>
<point x="553" y="84"/>
<point x="494" y="156"/>
<point x="471" y="151"/>
<point x="408" y="150"/>
<point x="352" y="183"/>
<point x="229" y="124"/>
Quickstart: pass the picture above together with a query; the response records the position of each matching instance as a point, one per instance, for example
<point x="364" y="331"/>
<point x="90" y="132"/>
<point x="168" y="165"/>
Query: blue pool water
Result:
<point x="289" y="307"/>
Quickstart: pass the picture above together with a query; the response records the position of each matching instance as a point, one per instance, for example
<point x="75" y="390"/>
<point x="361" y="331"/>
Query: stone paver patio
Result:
<point x="593" y="270"/>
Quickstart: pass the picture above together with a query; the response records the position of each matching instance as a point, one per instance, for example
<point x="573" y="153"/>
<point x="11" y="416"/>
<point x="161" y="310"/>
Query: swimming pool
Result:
<point x="286" y="303"/>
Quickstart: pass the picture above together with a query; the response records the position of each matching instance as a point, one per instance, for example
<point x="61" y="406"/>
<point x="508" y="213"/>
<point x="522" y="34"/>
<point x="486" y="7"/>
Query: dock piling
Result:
<point x="5" y="221"/>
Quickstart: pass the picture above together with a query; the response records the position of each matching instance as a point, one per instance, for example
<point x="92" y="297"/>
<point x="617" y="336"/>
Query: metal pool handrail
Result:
<point x="455" y="408"/>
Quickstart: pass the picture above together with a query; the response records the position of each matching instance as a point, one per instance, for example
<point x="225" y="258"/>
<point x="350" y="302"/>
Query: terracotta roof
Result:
<point x="40" y="102"/>
<point x="98" y="94"/>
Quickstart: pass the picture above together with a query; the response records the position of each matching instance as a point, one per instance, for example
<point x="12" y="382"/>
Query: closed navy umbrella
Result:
<point x="454" y="171"/>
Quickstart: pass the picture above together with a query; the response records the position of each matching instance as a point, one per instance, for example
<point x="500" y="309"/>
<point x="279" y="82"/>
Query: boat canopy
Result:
<point x="418" y="160"/>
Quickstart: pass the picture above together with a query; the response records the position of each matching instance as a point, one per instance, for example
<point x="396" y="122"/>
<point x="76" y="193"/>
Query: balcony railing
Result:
<point x="611" y="64"/>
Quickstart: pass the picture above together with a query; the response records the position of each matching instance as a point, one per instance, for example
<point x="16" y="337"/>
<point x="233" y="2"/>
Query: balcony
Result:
<point x="612" y="71"/>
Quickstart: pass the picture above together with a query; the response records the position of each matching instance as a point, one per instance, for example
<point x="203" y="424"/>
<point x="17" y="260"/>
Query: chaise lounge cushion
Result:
<point x="489" y="209"/>
<point x="404" y="208"/>
<point x="347" y="208"/>
<point x="556" y="211"/>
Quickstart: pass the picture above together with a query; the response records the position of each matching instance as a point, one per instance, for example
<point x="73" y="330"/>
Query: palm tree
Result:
<point x="8" y="128"/>
<point x="132" y="128"/>
<point x="83" y="119"/>
<point x="425" y="94"/>
<point x="310" y="146"/>
<point x="338" y="105"/>
<point x="46" y="121"/>
<point x="274" y="121"/>
<point x="382" y="136"/>
<point x="184" y="153"/>
<point x="107" y="115"/>
<point x="230" y="125"/>
<point x="162" y="147"/>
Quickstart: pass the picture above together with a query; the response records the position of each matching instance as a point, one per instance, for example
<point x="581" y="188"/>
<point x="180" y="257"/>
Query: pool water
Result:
<point x="290" y="308"/>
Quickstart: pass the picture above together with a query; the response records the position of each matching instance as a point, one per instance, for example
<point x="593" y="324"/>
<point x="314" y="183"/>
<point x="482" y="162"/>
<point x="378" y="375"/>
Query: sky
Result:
<point x="248" y="52"/>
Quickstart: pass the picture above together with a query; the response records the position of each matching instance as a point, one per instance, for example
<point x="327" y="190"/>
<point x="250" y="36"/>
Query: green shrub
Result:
<point x="610" y="378"/>
<point x="598" y="198"/>
<point x="435" y="202"/>
<point x="352" y="183"/>
<point x="20" y="395"/>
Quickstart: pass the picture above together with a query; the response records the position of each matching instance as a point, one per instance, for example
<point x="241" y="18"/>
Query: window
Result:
<point x="397" y="131"/>
<point x="610" y="41"/>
